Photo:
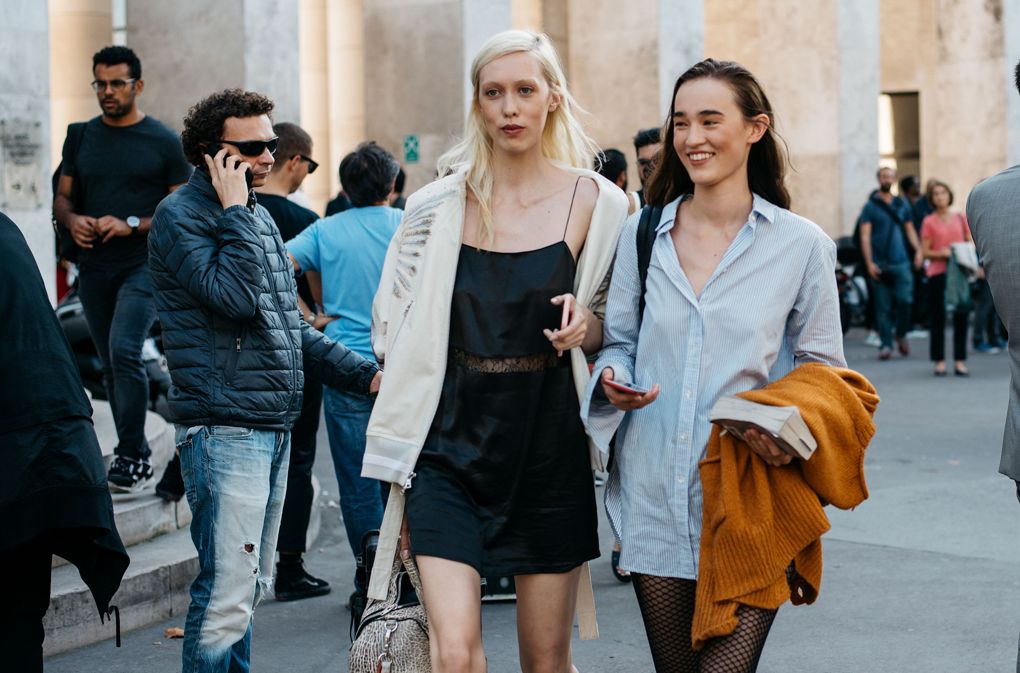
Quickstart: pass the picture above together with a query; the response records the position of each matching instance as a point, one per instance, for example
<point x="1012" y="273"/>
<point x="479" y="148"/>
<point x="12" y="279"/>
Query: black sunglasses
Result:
<point x="253" y="148"/>
<point x="312" y="163"/>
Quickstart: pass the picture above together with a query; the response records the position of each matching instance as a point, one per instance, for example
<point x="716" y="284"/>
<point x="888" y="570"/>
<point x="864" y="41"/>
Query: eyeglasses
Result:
<point x="253" y="148"/>
<point x="99" y="86"/>
<point x="312" y="164"/>
<point x="645" y="163"/>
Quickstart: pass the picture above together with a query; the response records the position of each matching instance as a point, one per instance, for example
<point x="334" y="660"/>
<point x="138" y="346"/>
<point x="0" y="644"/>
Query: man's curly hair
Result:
<point x="204" y="121"/>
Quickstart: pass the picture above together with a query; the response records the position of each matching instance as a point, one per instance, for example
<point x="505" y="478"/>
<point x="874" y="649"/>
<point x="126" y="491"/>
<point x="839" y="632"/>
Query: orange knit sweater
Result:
<point x="758" y="518"/>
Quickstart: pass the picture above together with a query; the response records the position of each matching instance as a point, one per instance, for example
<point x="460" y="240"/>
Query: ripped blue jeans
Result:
<point x="235" y="480"/>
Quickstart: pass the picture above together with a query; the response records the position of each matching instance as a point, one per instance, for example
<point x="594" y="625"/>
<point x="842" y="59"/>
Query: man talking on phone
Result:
<point x="234" y="341"/>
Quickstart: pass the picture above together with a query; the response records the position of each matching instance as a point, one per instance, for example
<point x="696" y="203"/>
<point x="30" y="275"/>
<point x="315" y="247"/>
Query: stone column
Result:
<point x="25" y="193"/>
<point x="622" y="63"/>
<point x="417" y="72"/>
<point x="820" y="71"/>
<point x="1011" y="26"/>
<point x="332" y="88"/>
<point x="78" y="29"/>
<point x="190" y="49"/>
<point x="859" y="67"/>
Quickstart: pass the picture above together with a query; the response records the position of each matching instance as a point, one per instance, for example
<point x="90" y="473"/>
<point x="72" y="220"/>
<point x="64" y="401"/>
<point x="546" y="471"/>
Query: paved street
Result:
<point x="923" y="577"/>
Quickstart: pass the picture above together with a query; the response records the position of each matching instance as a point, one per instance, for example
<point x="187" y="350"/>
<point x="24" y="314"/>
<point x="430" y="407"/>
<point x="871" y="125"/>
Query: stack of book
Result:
<point x="784" y="424"/>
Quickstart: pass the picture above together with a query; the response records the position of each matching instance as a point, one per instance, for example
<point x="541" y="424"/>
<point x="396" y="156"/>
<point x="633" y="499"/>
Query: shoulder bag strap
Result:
<point x="645" y="238"/>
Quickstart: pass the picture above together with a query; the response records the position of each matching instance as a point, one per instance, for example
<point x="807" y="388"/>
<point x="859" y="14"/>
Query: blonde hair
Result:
<point x="564" y="138"/>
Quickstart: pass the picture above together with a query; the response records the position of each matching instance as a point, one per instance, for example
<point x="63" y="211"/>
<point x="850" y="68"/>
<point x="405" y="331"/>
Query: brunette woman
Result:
<point x="484" y="317"/>
<point x="939" y="231"/>
<point x="739" y="291"/>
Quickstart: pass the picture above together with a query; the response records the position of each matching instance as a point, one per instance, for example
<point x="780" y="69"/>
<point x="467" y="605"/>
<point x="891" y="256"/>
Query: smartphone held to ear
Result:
<point x="626" y="388"/>
<point x="213" y="149"/>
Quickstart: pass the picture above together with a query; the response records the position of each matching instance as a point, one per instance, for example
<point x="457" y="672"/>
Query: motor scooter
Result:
<point x="71" y="317"/>
<point x="851" y="285"/>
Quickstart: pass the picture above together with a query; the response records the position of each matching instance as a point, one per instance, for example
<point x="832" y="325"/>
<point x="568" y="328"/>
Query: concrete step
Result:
<point x="155" y="587"/>
<point x="163" y="557"/>
<point x="158" y="432"/>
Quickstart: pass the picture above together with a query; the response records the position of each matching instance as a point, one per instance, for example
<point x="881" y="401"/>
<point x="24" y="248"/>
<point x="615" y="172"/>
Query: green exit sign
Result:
<point x="412" y="150"/>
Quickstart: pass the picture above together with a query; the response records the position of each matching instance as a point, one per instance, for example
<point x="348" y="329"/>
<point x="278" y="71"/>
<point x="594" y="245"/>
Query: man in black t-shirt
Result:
<point x="294" y="162"/>
<point x="116" y="168"/>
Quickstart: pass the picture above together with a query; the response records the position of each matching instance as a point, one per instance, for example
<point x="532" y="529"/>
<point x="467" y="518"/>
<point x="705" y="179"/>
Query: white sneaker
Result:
<point x="917" y="334"/>
<point x="872" y="340"/>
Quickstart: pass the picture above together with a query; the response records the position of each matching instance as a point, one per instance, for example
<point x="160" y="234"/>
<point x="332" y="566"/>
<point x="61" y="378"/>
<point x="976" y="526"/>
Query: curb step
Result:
<point x="156" y="584"/>
<point x="154" y="588"/>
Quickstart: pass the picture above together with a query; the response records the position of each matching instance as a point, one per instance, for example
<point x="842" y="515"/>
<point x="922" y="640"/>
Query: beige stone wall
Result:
<point x="191" y="49"/>
<point x="1011" y="24"/>
<point x="953" y="53"/>
<point x="618" y="65"/>
<point x="801" y="80"/>
<point x="78" y="29"/>
<point x="964" y="136"/>
<point x="25" y="166"/>
<point x="417" y="72"/>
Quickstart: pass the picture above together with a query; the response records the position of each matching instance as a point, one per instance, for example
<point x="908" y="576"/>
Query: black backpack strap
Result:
<point x="650" y="216"/>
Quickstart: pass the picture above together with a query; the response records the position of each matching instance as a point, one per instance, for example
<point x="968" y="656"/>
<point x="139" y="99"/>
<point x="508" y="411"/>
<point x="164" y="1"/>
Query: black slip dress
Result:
<point x="503" y="482"/>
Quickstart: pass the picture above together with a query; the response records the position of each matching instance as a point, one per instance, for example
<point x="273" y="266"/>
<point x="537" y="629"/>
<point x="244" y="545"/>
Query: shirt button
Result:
<point x="683" y="437"/>
<point x="680" y="479"/>
<point x="688" y="393"/>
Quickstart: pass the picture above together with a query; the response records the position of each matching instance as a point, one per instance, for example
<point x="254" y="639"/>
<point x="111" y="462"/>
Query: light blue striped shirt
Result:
<point x="770" y="304"/>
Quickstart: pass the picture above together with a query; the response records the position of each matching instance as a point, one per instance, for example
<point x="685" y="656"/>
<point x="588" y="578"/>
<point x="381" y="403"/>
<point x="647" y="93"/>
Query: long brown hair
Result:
<point x="766" y="165"/>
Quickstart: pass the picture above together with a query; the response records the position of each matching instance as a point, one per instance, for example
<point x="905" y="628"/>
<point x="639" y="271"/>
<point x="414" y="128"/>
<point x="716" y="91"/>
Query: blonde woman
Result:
<point x="483" y="318"/>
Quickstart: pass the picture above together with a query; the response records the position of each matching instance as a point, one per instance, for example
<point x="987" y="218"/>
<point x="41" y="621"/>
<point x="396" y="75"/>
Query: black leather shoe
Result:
<point x="293" y="583"/>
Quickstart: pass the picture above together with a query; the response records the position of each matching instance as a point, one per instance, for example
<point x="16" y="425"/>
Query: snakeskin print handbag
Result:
<point x="393" y="636"/>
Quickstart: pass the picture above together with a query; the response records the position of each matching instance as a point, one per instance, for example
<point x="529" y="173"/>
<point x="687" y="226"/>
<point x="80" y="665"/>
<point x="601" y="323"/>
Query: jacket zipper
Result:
<point x="231" y="370"/>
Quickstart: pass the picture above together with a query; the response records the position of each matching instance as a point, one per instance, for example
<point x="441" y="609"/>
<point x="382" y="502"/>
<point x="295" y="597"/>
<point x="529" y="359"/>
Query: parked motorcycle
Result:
<point x="71" y="316"/>
<point x="851" y="284"/>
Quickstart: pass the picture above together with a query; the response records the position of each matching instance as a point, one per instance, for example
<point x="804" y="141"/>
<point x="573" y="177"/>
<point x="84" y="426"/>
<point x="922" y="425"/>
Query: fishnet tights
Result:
<point x="667" y="608"/>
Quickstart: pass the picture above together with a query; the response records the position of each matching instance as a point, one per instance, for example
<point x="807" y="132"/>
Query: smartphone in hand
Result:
<point x="626" y="388"/>
<point x="212" y="149"/>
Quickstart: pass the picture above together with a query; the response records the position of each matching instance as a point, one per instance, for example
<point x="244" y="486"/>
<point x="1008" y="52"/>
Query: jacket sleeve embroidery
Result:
<point x="413" y="237"/>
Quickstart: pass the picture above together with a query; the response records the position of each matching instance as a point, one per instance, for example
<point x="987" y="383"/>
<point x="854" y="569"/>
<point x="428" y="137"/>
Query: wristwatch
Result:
<point x="133" y="222"/>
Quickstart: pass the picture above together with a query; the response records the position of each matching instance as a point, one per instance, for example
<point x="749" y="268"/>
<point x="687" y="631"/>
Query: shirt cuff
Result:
<point x="601" y="419"/>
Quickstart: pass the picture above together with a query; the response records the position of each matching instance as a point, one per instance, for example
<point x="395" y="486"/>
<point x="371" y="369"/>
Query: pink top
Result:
<point x="943" y="234"/>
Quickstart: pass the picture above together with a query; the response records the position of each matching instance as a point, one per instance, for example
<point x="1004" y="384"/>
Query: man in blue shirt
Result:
<point x="347" y="250"/>
<point x="884" y="224"/>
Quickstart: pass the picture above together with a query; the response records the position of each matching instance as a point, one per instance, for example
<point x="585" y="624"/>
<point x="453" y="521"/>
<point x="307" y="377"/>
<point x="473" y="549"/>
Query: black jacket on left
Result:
<point x="53" y="490"/>
<point x="227" y="303"/>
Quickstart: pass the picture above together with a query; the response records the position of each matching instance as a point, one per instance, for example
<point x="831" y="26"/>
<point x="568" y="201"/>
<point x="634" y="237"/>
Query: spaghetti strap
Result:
<point x="571" y="209"/>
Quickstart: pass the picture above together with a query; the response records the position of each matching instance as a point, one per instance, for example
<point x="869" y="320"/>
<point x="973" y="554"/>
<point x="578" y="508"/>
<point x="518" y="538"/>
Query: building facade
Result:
<point x="925" y="85"/>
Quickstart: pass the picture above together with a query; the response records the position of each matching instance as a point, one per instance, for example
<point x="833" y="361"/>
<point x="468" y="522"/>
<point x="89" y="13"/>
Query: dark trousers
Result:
<point x="120" y="311"/>
<point x="937" y="322"/>
<point x="26" y="569"/>
<point x="987" y="326"/>
<point x="919" y="307"/>
<point x="297" y="505"/>
<point x="893" y="294"/>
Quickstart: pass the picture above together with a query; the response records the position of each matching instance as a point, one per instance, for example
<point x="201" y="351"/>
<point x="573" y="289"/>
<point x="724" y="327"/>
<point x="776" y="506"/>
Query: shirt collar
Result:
<point x="760" y="207"/>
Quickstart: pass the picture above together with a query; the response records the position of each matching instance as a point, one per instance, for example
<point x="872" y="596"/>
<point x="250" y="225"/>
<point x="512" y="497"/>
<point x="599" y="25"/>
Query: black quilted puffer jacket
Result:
<point x="227" y="302"/>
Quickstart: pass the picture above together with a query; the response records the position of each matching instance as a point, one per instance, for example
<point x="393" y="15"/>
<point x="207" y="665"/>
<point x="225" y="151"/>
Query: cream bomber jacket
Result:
<point x="411" y="334"/>
<point x="411" y="315"/>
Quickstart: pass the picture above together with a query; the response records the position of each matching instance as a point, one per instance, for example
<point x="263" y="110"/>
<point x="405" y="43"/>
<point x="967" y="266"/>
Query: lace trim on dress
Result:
<point x="508" y="365"/>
